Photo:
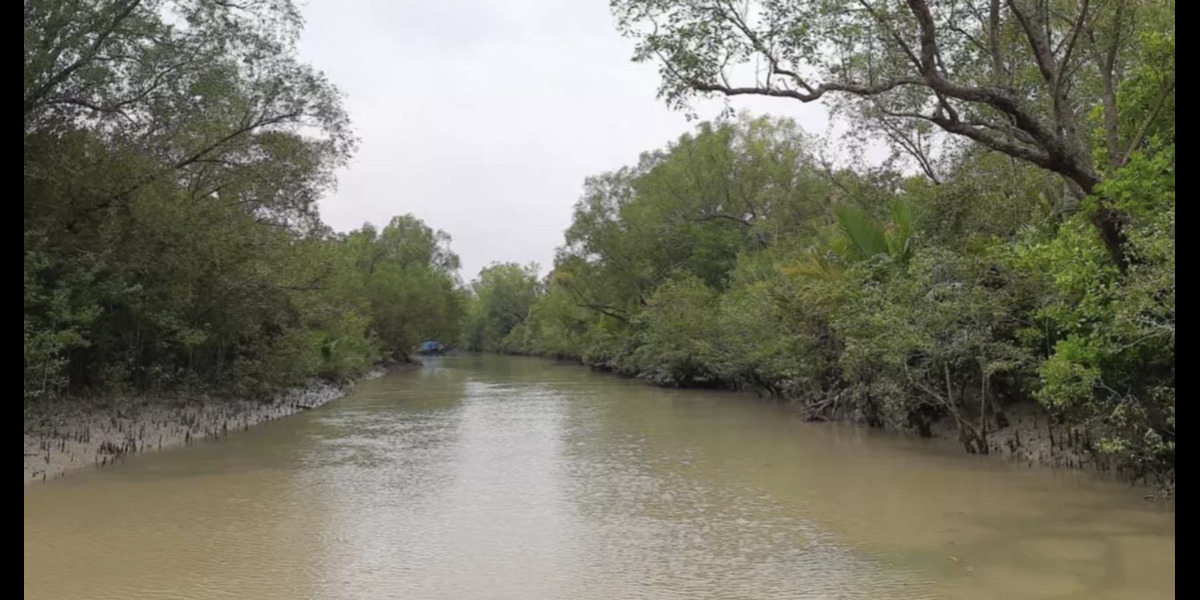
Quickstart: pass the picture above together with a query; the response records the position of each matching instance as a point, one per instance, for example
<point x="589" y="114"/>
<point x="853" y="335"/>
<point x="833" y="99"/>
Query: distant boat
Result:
<point x="431" y="347"/>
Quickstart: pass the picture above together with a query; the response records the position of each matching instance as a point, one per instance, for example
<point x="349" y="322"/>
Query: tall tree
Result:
<point x="501" y="298"/>
<point x="174" y="153"/>
<point x="1017" y="76"/>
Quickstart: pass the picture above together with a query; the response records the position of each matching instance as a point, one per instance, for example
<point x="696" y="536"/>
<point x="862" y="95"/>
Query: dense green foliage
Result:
<point x="733" y="258"/>
<point x="1029" y="79"/>
<point x="174" y="153"/>
<point x="501" y="299"/>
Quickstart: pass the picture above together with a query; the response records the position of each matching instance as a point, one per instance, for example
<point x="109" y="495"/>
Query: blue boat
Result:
<point x="431" y="347"/>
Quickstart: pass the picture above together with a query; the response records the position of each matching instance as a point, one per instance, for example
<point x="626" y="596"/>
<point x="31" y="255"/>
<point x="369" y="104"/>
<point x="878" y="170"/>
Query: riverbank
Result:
<point x="73" y="433"/>
<point x="609" y="484"/>
<point x="1029" y="433"/>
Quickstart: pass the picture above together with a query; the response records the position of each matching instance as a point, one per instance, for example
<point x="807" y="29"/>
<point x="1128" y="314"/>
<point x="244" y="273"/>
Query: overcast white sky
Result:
<point x="483" y="117"/>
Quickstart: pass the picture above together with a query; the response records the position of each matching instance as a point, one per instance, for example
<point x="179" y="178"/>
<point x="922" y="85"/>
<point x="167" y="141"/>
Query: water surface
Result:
<point x="512" y="478"/>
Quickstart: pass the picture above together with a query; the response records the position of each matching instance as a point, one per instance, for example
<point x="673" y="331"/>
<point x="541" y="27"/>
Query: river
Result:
<point x="486" y="477"/>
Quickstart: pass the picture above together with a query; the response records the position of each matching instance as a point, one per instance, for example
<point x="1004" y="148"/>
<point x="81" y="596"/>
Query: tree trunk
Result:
<point x="1109" y="224"/>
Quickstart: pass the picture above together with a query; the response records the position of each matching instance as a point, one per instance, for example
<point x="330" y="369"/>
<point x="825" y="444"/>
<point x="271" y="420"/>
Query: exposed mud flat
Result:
<point x="72" y="434"/>
<point x="1030" y="435"/>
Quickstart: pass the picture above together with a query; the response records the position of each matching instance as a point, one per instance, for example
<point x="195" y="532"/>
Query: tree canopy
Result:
<point x="174" y="152"/>
<point x="1032" y="80"/>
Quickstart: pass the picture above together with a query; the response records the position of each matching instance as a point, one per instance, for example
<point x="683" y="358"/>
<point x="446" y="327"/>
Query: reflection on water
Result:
<point x="494" y="477"/>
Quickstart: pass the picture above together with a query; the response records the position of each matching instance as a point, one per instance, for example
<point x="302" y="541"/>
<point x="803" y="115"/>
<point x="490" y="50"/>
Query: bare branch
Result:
<point x="1042" y="54"/>
<point x="1109" y="88"/>
<point x="817" y="93"/>
<point x="721" y="216"/>
<point x="912" y="147"/>
<point x="83" y="103"/>
<point x="1072" y="38"/>
<point x="908" y="51"/>
<point x="994" y="41"/>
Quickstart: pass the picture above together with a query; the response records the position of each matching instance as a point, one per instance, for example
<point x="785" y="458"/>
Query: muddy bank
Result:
<point x="1027" y="434"/>
<point x="1031" y="436"/>
<point x="71" y="434"/>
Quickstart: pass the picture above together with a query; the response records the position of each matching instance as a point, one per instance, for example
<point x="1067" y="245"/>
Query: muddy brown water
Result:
<point x="512" y="478"/>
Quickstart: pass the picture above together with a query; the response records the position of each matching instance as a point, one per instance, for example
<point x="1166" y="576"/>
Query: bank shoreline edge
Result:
<point x="1030" y="436"/>
<point x="66" y="436"/>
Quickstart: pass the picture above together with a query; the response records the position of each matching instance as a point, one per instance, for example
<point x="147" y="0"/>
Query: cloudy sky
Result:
<point x="483" y="117"/>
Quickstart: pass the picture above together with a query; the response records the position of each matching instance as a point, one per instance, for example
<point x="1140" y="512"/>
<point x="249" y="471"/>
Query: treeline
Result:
<point x="1010" y="269"/>
<point x="734" y="259"/>
<point x="174" y="152"/>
